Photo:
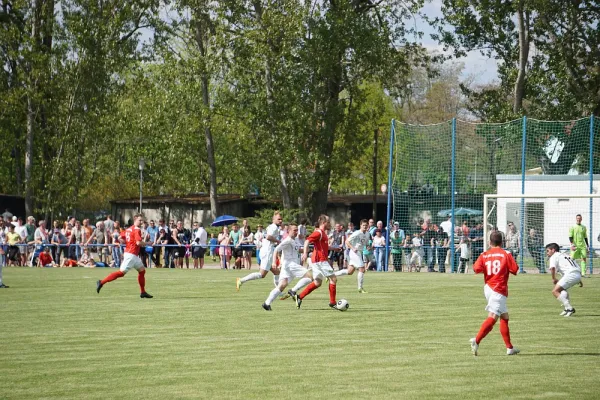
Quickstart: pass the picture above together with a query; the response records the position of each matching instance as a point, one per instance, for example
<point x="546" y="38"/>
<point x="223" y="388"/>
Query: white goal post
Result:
<point x="549" y="217"/>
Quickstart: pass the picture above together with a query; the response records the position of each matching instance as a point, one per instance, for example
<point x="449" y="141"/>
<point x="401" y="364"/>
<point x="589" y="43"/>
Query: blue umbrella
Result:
<point x="224" y="220"/>
<point x="461" y="211"/>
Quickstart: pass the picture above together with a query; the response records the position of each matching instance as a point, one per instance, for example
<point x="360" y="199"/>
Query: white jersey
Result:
<point x="268" y="246"/>
<point x="563" y="264"/>
<point x="289" y="249"/>
<point x="200" y="237"/>
<point x="358" y="240"/>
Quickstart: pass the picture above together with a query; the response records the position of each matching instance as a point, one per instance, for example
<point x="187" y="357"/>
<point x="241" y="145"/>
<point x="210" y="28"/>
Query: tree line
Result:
<point x="279" y="97"/>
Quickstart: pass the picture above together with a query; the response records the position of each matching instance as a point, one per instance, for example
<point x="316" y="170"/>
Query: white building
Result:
<point x="552" y="216"/>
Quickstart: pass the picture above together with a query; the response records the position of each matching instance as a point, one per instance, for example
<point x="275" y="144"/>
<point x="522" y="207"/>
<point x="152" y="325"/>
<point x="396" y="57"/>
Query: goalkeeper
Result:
<point x="579" y="242"/>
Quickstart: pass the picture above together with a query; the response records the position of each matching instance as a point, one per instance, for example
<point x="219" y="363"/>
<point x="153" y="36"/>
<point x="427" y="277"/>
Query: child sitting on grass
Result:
<point x="45" y="259"/>
<point x="86" y="259"/>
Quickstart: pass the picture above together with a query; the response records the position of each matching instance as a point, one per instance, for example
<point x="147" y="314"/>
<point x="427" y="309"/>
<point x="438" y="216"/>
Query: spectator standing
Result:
<point x="13" y="239"/>
<point x="236" y="242"/>
<point x="213" y="245"/>
<point x="442" y="253"/>
<point x="416" y="259"/>
<point x="224" y="250"/>
<point x="397" y="242"/>
<point x="379" y="249"/>
<point x="463" y="250"/>
<point x="152" y="231"/>
<point x="336" y="247"/>
<point x="30" y="239"/>
<point x="181" y="236"/>
<point x="476" y="239"/>
<point x="109" y="225"/>
<point x="430" y="239"/>
<point x="535" y="245"/>
<point x="116" y="242"/>
<point x="59" y="241"/>
<point x="199" y="246"/>
<point x="21" y="230"/>
<point x="447" y="224"/>
<point x="163" y="239"/>
<point x="76" y="239"/>
<point x="247" y="242"/>
<point x="3" y="245"/>
<point x="7" y="215"/>
<point x="40" y="239"/>
<point x="258" y="238"/>
<point x="513" y="240"/>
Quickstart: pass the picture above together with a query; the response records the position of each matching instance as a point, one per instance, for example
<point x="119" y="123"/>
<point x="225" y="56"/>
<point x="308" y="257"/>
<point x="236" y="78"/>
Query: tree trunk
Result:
<point x="285" y="193"/>
<point x="523" y="24"/>
<point x="200" y="30"/>
<point x="29" y="155"/>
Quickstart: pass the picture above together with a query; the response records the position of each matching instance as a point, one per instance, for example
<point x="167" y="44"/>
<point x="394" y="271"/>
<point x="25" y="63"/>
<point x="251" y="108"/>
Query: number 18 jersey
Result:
<point x="496" y="264"/>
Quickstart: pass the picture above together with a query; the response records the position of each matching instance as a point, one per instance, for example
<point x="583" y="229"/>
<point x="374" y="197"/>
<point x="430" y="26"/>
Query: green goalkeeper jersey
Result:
<point x="579" y="234"/>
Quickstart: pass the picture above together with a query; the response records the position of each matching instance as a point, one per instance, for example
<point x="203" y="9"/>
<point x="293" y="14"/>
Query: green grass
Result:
<point x="198" y="338"/>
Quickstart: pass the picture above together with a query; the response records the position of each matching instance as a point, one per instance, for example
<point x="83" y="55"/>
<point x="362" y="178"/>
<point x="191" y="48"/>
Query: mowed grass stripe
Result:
<point x="199" y="338"/>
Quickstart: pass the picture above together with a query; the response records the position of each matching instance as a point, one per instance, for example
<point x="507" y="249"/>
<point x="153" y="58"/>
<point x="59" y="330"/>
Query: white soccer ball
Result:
<point x="343" y="305"/>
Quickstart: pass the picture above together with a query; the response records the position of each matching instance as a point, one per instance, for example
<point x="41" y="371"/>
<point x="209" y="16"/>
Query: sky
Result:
<point x="483" y="69"/>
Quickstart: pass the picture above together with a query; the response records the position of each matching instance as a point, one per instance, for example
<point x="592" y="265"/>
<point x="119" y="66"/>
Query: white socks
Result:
<point x="251" y="277"/>
<point x="0" y="274"/>
<point x="341" y="272"/>
<point x="276" y="280"/>
<point x="301" y="283"/>
<point x="360" y="279"/>
<point x="274" y="293"/>
<point x="563" y="297"/>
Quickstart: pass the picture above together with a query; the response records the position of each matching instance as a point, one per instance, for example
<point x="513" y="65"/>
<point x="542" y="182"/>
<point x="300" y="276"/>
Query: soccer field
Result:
<point x="198" y="338"/>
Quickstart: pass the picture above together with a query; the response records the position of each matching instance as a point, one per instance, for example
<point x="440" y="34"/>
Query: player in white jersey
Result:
<point x="271" y="239"/>
<point x="357" y="241"/>
<point x="289" y="265"/>
<point x="571" y="275"/>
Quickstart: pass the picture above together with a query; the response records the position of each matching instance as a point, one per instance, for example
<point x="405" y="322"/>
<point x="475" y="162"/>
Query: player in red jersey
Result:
<point x="496" y="264"/>
<point x="320" y="265"/>
<point x="131" y="259"/>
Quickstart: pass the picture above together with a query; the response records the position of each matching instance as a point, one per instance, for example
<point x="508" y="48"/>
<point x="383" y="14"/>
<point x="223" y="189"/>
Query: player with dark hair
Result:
<point x="356" y="242"/>
<point x="571" y="275"/>
<point x="131" y="259"/>
<point x="320" y="266"/>
<point x="496" y="264"/>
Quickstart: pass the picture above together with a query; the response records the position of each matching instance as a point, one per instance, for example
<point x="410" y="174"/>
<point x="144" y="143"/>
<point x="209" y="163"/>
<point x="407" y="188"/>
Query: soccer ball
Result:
<point x="343" y="305"/>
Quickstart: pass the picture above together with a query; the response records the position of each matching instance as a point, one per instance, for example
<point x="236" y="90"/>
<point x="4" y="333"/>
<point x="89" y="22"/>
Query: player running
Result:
<point x="271" y="239"/>
<point x="356" y="242"/>
<point x="320" y="264"/>
<point x="290" y="265"/>
<point x="579" y="243"/>
<point x="496" y="265"/>
<point x="571" y="275"/>
<point x="131" y="259"/>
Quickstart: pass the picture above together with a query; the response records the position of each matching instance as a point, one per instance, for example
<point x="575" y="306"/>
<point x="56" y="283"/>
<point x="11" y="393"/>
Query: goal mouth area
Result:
<point x="551" y="216"/>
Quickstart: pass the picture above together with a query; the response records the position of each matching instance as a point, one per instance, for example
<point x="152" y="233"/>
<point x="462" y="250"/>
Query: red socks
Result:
<point x="486" y="328"/>
<point x="111" y="277"/>
<point x="311" y="286"/>
<point x="142" y="280"/>
<point x="331" y="294"/>
<point x="505" y="332"/>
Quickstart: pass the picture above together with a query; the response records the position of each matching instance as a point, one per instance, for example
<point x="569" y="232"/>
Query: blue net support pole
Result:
<point x="453" y="195"/>
<point x="591" y="240"/>
<point x="389" y="194"/>
<point x="522" y="216"/>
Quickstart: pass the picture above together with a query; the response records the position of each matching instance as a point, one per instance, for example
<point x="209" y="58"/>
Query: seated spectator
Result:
<point x="45" y="259"/>
<point x="86" y="259"/>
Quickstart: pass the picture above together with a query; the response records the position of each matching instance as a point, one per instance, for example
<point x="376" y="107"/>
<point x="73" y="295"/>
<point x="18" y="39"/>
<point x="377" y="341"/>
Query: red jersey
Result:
<point x="321" y="245"/>
<point x="132" y="236"/>
<point x="45" y="258"/>
<point x="496" y="264"/>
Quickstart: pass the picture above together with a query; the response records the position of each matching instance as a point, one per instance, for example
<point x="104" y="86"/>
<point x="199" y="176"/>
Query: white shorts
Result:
<point x="266" y="259"/>
<point x="131" y="261"/>
<point x="355" y="260"/>
<point x="569" y="280"/>
<point x="496" y="301"/>
<point x="291" y="270"/>
<point x="321" y="268"/>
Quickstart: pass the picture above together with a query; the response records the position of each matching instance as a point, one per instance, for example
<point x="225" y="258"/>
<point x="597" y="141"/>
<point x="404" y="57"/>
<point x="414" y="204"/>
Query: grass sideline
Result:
<point x="408" y="338"/>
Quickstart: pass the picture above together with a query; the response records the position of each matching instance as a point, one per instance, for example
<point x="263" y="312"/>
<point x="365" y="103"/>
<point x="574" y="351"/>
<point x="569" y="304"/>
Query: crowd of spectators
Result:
<point x="80" y="243"/>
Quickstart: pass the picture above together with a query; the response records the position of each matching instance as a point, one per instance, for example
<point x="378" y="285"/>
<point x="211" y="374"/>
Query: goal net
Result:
<point x="528" y="223"/>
